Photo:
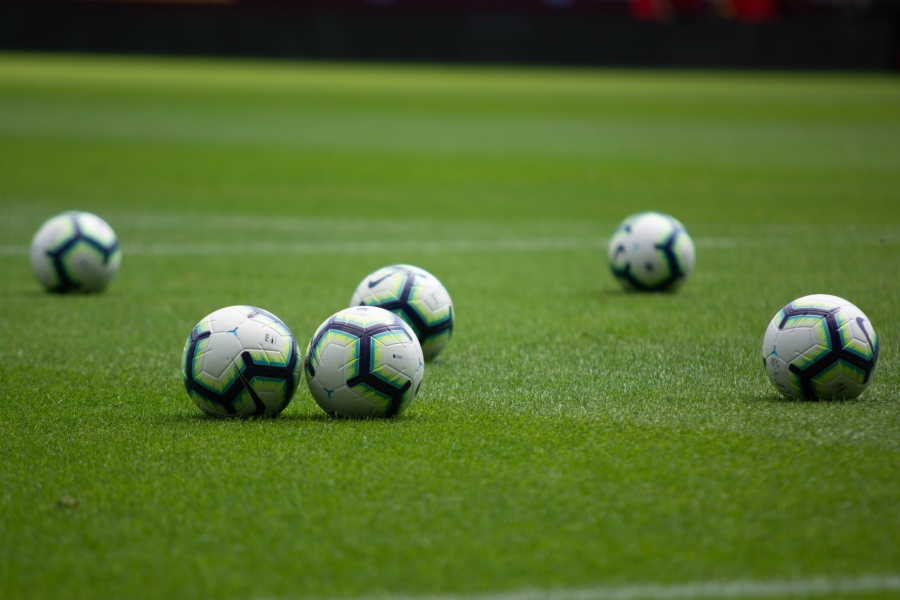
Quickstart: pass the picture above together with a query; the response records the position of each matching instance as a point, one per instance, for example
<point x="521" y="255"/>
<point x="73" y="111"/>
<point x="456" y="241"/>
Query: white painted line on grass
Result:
<point x="308" y="248"/>
<point x="501" y="245"/>
<point x="747" y="588"/>
<point x="411" y="246"/>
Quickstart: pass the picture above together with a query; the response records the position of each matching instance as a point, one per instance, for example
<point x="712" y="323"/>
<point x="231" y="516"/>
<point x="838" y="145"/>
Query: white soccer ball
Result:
<point x="820" y="346"/>
<point x="417" y="297"/>
<point x="364" y="362"/>
<point x="651" y="252"/>
<point x="241" y="361"/>
<point x="75" y="251"/>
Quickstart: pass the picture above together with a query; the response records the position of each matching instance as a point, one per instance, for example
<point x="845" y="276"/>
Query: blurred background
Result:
<point x="780" y="34"/>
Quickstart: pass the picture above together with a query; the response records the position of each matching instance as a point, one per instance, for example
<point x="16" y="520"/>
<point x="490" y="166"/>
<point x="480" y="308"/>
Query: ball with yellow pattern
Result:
<point x="241" y="361"/>
<point x="820" y="346"/>
<point x="417" y="297"/>
<point x="364" y="362"/>
<point x="75" y="252"/>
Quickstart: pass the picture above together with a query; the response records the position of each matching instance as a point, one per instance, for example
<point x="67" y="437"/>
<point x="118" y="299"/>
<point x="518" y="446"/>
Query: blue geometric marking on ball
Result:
<point x="330" y="392"/>
<point x="259" y="407"/>
<point x="56" y="256"/>
<point x="233" y="331"/>
<point x="836" y="353"/>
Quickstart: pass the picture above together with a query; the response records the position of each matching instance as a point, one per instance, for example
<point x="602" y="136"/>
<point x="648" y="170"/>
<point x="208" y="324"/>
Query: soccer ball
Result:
<point x="820" y="346"/>
<point x="75" y="251"/>
<point x="417" y="297"/>
<point x="651" y="252"/>
<point x="364" y="362"/>
<point x="241" y="361"/>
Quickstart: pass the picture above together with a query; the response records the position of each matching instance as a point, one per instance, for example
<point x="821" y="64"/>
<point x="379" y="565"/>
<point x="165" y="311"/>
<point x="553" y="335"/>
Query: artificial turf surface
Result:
<point x="570" y="435"/>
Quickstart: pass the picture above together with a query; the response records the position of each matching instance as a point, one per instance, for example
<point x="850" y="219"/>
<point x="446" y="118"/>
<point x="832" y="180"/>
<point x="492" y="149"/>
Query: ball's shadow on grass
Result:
<point x="617" y="292"/>
<point x="67" y="296"/>
<point x="36" y="294"/>
<point x="204" y="418"/>
<point x="776" y="398"/>
<point x="320" y="417"/>
<point x="607" y="293"/>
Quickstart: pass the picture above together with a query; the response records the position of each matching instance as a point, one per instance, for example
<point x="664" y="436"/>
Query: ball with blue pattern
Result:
<point x="820" y="347"/>
<point x="241" y="361"/>
<point x="364" y="362"/>
<point x="75" y="252"/>
<point x="414" y="295"/>
<point x="651" y="252"/>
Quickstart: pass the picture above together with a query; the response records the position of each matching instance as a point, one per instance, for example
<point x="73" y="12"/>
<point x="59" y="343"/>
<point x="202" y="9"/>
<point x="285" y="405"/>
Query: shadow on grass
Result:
<point x="608" y="293"/>
<point x="58" y="296"/>
<point x="35" y="293"/>
<point x="199" y="417"/>
<point x="320" y="417"/>
<point x="776" y="398"/>
<point x="611" y="292"/>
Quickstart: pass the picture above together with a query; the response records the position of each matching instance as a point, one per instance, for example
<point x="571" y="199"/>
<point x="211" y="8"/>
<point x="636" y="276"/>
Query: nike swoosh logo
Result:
<point x="377" y="281"/>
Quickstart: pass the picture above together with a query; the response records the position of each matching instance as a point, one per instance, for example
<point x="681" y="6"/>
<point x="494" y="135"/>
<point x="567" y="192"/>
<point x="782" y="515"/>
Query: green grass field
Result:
<point x="571" y="436"/>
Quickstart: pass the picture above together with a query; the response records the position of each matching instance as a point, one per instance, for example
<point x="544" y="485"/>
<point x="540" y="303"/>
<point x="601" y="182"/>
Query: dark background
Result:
<point x="780" y="34"/>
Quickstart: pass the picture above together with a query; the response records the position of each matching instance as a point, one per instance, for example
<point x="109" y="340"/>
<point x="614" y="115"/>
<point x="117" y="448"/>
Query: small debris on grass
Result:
<point x="67" y="502"/>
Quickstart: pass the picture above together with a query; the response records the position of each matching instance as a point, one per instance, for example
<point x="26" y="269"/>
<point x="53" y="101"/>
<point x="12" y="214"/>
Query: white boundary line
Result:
<point x="745" y="588"/>
<point x="311" y="248"/>
<point x="410" y="246"/>
<point x="500" y="245"/>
